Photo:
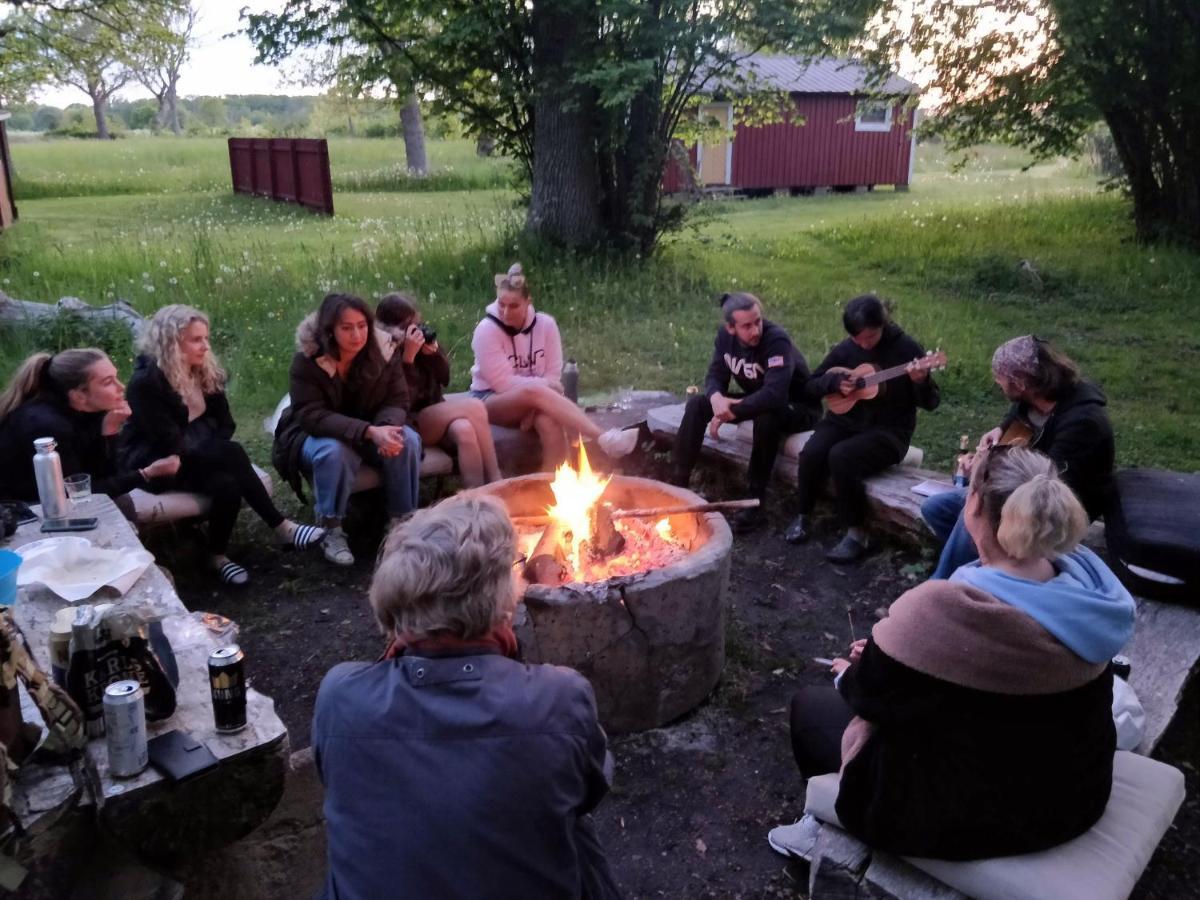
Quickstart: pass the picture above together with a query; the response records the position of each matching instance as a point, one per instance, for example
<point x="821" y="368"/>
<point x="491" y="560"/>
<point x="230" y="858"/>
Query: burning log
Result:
<point x="604" y="540"/>
<point x="548" y="562"/>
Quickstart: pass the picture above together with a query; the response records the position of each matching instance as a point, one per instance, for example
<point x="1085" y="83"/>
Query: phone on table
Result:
<point x="24" y="514"/>
<point x="84" y="524"/>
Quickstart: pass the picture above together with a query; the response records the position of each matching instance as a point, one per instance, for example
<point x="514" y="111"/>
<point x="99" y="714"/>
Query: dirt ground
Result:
<point x="692" y="802"/>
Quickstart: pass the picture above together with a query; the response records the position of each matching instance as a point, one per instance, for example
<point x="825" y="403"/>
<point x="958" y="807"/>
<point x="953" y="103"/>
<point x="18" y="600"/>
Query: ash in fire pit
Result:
<point x="644" y="622"/>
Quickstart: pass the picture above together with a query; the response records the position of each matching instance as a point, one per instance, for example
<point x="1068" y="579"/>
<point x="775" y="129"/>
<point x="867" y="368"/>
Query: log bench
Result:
<point x="894" y="507"/>
<point x="1104" y="863"/>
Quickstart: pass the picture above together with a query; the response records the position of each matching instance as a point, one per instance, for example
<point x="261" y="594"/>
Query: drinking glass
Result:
<point x="79" y="489"/>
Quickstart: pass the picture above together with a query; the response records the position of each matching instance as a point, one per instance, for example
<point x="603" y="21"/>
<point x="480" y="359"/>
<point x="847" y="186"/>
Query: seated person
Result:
<point x="871" y="435"/>
<point x="76" y="398"/>
<point x="460" y="424"/>
<point x="518" y="370"/>
<point x="772" y="375"/>
<point x="177" y="395"/>
<point x="977" y="718"/>
<point x="450" y="768"/>
<point x="1067" y="421"/>
<point x="349" y="407"/>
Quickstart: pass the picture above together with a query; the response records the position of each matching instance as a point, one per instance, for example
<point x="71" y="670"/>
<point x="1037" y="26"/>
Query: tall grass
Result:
<point x="946" y="254"/>
<point x="62" y="167"/>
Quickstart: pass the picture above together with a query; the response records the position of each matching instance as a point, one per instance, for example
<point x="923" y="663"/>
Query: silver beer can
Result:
<point x="125" y="728"/>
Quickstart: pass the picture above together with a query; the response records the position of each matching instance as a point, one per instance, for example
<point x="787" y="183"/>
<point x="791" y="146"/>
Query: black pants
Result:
<point x="221" y="470"/>
<point x="770" y="428"/>
<point x="819" y="715"/>
<point x="849" y="457"/>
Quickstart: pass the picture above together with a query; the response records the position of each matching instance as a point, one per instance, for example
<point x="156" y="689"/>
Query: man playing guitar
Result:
<point x="1054" y="411"/>
<point x="868" y="435"/>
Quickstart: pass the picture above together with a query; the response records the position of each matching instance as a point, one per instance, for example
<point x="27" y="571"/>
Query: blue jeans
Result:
<point x="334" y="464"/>
<point x="943" y="514"/>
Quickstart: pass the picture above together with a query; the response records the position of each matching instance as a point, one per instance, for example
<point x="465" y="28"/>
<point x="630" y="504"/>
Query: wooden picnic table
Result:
<point x="146" y="814"/>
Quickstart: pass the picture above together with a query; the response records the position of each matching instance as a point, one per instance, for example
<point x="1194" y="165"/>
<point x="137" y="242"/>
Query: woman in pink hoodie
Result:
<point x="517" y="371"/>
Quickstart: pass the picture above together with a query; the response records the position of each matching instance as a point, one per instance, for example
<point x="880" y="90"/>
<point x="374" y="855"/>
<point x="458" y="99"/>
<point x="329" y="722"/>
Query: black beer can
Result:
<point x="227" y="680"/>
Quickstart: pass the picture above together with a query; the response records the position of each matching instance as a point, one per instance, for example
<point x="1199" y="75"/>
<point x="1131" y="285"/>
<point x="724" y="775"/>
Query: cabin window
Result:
<point x="873" y="115"/>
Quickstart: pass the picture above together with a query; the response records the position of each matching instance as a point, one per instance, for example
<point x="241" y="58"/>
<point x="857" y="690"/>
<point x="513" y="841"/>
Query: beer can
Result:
<point x="125" y="728"/>
<point x="60" y="645"/>
<point x="227" y="680"/>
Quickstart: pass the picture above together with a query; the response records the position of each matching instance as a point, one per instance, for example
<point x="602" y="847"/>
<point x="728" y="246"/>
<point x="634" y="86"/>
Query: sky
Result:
<point x="217" y="66"/>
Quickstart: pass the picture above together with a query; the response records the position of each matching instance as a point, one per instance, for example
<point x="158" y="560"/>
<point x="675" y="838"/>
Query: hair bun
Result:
<point x="515" y="269"/>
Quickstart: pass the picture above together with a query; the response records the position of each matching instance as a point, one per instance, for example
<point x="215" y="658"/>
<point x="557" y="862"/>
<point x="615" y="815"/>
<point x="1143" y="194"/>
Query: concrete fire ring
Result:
<point x="653" y="644"/>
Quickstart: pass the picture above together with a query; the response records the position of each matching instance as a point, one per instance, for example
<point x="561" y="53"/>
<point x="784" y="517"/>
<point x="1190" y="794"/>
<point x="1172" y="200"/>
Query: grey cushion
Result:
<point x="1104" y="863"/>
<point x="172" y="506"/>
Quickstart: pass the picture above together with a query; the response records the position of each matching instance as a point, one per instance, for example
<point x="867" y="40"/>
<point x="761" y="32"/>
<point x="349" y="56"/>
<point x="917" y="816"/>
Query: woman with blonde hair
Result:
<point x="981" y="697"/>
<point x="460" y="423"/>
<point x="518" y="371"/>
<point x="75" y="397"/>
<point x="450" y="767"/>
<point x="177" y="394"/>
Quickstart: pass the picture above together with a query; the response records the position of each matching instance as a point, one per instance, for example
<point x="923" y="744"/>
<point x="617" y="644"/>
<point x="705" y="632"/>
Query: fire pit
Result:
<point x="615" y="587"/>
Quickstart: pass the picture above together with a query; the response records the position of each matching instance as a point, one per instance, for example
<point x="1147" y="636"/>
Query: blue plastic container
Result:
<point x="9" y="563"/>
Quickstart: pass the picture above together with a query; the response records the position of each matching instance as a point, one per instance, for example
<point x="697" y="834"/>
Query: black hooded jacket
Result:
<point x="1078" y="436"/>
<point x="771" y="374"/>
<point x="894" y="409"/>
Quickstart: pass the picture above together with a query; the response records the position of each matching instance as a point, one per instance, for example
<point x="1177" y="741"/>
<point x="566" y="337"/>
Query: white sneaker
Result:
<point x="336" y="550"/>
<point x="617" y="443"/>
<point x="795" y="840"/>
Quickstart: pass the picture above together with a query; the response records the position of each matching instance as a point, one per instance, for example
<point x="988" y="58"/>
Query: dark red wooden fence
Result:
<point x="295" y="170"/>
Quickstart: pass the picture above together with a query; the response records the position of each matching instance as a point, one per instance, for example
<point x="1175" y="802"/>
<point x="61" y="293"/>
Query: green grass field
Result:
<point x="946" y="253"/>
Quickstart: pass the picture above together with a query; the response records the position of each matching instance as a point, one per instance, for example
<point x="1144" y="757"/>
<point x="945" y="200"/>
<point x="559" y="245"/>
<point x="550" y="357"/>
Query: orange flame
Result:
<point x="576" y="491"/>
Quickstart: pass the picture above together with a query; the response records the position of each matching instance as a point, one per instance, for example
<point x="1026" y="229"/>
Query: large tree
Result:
<point x="1041" y="73"/>
<point x="585" y="94"/>
<point x="158" y="58"/>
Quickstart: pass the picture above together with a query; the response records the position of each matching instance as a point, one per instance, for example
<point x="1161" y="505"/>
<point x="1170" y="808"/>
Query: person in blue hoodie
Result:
<point x="977" y="719"/>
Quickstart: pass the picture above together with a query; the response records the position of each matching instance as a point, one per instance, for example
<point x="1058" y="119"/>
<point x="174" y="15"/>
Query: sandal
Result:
<point x="303" y="536"/>
<point x="233" y="574"/>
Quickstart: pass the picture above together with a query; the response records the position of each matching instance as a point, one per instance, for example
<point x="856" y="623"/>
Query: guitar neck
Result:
<point x="885" y="375"/>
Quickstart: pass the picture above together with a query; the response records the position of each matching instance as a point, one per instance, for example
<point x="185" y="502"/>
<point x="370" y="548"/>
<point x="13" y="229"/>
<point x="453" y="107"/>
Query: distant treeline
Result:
<point x="268" y="115"/>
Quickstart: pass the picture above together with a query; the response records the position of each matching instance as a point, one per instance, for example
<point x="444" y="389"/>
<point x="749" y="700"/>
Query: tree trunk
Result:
<point x="414" y="135"/>
<point x="350" y="124"/>
<point x="173" y="109"/>
<point x="100" y="110"/>
<point x="565" y="203"/>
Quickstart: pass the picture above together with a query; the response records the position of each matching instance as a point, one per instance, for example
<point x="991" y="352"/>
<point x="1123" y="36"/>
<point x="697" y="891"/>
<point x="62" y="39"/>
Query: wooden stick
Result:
<point x="650" y="512"/>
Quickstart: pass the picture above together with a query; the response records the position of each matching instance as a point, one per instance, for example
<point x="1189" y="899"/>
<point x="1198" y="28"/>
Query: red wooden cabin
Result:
<point x="849" y="138"/>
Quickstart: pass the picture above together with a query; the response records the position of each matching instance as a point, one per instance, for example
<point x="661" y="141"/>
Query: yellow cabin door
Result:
<point x="714" y="154"/>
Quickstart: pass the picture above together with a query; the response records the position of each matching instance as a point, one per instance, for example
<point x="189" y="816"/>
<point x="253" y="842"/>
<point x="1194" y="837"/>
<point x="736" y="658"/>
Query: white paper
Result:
<point x="930" y="488"/>
<point x="72" y="568"/>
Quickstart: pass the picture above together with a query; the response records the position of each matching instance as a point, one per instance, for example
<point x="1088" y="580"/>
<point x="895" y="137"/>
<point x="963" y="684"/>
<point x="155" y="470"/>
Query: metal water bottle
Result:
<point x="570" y="381"/>
<point x="47" y="470"/>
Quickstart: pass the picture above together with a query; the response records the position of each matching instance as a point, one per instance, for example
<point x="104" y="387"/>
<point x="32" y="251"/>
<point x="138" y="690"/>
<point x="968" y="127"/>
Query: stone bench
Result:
<point x="895" y="507"/>
<point x="1104" y="863"/>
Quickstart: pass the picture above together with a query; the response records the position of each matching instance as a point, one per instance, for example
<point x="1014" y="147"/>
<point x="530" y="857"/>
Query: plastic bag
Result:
<point x="1128" y="715"/>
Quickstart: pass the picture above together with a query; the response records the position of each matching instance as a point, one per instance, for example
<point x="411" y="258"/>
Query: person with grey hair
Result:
<point x="451" y="769"/>
<point x="771" y="376"/>
<point x="1053" y="411"/>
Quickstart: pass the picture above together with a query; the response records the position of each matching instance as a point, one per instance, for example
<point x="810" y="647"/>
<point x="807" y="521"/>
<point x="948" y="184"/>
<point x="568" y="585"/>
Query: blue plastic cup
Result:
<point x="9" y="563"/>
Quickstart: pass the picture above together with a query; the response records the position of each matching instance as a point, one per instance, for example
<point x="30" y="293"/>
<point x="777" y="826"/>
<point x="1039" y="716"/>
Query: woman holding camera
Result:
<point x="75" y="397"/>
<point x="177" y="395"/>
<point x="460" y="423"/>
<point x="349" y="408"/>
<point x="451" y="768"/>
<point x="981" y="697"/>
<point x="517" y="372"/>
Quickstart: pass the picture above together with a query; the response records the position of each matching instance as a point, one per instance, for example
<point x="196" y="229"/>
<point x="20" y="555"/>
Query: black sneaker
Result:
<point x="747" y="520"/>
<point x="848" y="550"/>
<point x="799" y="531"/>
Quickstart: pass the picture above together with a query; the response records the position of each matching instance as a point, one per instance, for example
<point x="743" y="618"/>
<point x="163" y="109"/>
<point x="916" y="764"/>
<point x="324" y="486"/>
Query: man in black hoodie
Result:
<point x="1062" y="415"/>
<point x="870" y="436"/>
<point x="771" y="373"/>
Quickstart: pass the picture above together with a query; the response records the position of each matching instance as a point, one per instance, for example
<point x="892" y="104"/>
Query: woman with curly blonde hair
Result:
<point x="177" y="394"/>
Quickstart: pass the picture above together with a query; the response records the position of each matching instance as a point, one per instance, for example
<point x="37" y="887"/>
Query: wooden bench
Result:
<point x="1104" y="863"/>
<point x="894" y="506"/>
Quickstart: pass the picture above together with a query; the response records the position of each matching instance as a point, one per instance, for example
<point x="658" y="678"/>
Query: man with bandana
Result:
<point x="1060" y="414"/>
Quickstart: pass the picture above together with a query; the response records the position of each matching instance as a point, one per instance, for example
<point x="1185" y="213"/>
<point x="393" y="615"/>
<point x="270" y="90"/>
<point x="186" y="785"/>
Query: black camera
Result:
<point x="428" y="333"/>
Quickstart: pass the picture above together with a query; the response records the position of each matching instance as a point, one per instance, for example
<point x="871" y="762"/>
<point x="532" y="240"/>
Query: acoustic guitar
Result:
<point x="867" y="380"/>
<point x="1019" y="433"/>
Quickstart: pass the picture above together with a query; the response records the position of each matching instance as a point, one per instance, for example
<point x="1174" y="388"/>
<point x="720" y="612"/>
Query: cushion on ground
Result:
<point x="1153" y="528"/>
<point x="172" y="506"/>
<point x="1104" y="862"/>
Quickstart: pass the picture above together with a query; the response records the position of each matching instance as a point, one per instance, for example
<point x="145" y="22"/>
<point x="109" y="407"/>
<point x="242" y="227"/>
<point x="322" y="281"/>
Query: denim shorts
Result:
<point x="482" y="395"/>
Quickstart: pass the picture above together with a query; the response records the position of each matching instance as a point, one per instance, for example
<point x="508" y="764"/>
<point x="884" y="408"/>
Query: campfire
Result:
<point x="581" y="538"/>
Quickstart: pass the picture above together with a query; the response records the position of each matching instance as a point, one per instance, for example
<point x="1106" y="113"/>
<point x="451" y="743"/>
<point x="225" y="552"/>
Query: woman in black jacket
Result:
<point x="76" y="398"/>
<point x="872" y="435"/>
<point x="177" y="394"/>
